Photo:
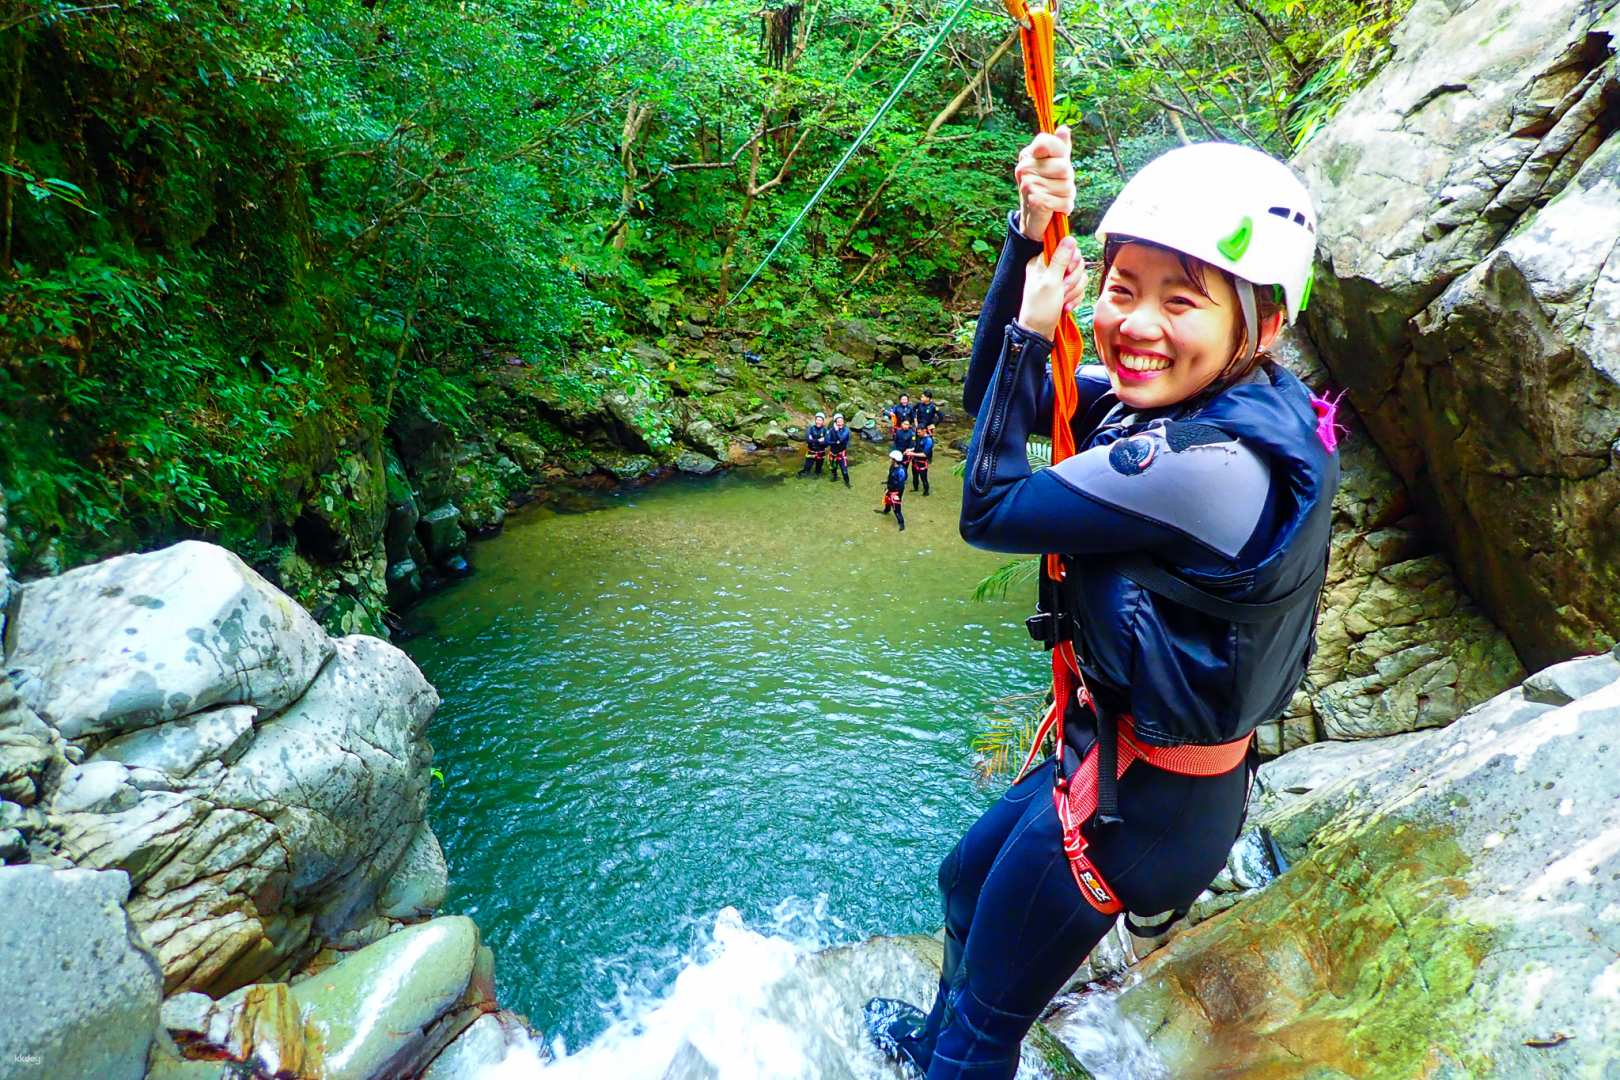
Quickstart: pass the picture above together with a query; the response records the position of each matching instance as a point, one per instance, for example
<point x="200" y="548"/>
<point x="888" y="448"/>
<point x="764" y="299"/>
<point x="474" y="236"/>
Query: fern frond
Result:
<point x="998" y="582"/>
<point x="1005" y="740"/>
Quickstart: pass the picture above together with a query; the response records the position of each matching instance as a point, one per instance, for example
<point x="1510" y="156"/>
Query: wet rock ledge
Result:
<point x="213" y="820"/>
<point x="1446" y="907"/>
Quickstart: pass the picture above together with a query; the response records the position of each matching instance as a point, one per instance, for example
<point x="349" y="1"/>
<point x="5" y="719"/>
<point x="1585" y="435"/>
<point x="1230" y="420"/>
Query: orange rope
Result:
<point x="1039" y="79"/>
<point x="1035" y="31"/>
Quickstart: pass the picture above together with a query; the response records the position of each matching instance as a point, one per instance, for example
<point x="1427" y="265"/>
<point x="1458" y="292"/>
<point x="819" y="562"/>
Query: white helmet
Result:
<point x="821" y="416"/>
<point x="895" y="455"/>
<point x="1231" y="206"/>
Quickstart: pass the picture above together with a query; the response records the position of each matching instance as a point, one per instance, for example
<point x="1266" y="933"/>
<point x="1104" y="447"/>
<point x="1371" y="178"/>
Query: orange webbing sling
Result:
<point x="1116" y="747"/>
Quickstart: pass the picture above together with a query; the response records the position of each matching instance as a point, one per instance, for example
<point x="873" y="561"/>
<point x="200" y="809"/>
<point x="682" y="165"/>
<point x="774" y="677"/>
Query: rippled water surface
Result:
<point x="748" y="691"/>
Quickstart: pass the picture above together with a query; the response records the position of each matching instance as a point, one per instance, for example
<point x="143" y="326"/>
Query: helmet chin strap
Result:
<point x="1251" y="316"/>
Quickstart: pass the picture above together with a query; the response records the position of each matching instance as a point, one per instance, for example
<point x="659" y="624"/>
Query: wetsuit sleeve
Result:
<point x="1185" y="491"/>
<point x="1001" y="304"/>
<point x="1000" y="308"/>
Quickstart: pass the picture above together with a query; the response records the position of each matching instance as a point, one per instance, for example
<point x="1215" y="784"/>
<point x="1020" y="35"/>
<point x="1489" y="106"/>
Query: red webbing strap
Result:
<point x="1075" y="799"/>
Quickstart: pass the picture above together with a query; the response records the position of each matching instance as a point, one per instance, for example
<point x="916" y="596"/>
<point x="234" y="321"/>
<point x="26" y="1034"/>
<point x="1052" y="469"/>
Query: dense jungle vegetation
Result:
<point x="236" y="234"/>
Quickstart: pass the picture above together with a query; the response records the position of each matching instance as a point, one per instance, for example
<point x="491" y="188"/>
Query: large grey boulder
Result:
<point x="695" y="464"/>
<point x="371" y="1010"/>
<point x="703" y="436"/>
<point x="139" y="640"/>
<point x="639" y="422"/>
<point x="261" y="803"/>
<point x="241" y="869"/>
<point x="1468" y="294"/>
<point x="78" y="989"/>
<point x="1448" y="910"/>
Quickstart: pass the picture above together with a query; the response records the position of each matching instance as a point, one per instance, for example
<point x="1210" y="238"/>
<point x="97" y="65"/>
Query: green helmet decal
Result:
<point x="1305" y="294"/>
<point x="1235" y="243"/>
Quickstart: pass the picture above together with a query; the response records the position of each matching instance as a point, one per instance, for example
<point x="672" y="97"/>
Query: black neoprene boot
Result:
<point x="894" y="1028"/>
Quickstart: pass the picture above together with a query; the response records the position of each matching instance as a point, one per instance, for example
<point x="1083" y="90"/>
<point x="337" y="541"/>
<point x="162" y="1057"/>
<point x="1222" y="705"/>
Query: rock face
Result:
<point x="1400" y="646"/>
<point x="261" y="785"/>
<point x="217" y="798"/>
<point x="386" y="1010"/>
<point x="1448" y="910"/>
<point x="81" y="991"/>
<point x="1469" y="297"/>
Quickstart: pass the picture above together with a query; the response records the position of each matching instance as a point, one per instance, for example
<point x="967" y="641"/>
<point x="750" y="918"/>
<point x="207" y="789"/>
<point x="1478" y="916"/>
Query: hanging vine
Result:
<point x="776" y="29"/>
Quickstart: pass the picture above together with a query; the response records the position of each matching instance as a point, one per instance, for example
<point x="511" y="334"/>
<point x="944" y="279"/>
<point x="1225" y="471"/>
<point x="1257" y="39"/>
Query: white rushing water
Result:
<point x="777" y="1004"/>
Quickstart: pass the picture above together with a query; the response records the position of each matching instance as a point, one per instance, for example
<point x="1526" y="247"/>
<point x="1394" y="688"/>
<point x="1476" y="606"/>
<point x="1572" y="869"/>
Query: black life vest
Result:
<point x="1206" y="659"/>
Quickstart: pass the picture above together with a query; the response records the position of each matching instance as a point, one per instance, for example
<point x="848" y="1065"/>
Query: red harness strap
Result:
<point x="891" y="498"/>
<point x="1075" y="798"/>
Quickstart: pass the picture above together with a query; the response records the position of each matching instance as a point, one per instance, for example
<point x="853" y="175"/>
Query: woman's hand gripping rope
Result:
<point x="1045" y="178"/>
<point x="1052" y="288"/>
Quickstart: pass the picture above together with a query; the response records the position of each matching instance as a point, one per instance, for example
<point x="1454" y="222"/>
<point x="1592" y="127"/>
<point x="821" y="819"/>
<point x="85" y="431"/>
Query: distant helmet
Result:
<point x="895" y="455"/>
<point x="838" y="416"/>
<point x="821" y="416"/>
<point x="1231" y="206"/>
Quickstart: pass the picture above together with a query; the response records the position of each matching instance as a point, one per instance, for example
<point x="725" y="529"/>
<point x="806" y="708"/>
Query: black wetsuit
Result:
<point x="904" y="439"/>
<point x="895" y="490"/>
<point x="925" y="413"/>
<point x="898" y="413"/>
<point x="1193" y="486"/>
<point x="922" y="456"/>
<point x="815" y="448"/>
<point x="838" y="452"/>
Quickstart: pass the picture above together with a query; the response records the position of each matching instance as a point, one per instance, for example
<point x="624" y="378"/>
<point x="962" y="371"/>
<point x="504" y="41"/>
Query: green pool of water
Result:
<point x="745" y="691"/>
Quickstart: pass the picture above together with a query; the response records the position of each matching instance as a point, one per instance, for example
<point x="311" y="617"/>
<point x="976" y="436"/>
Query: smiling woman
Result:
<point x="1167" y="327"/>
<point x="1193" y="524"/>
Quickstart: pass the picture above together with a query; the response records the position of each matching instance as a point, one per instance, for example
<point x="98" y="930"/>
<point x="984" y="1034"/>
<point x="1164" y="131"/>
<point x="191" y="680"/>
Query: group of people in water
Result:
<point x="911" y="452"/>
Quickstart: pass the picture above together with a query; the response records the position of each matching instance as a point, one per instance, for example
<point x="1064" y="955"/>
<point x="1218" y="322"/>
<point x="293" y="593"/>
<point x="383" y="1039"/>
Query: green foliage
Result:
<point x="1003" y="743"/>
<point x="243" y="235"/>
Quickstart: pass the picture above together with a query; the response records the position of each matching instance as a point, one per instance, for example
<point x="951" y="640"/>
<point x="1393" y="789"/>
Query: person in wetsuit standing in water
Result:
<point x="926" y="414"/>
<point x="815" y="445"/>
<point x="838" y="449"/>
<point x="894" y="488"/>
<point x="921" y="456"/>
<point x="1194" y="521"/>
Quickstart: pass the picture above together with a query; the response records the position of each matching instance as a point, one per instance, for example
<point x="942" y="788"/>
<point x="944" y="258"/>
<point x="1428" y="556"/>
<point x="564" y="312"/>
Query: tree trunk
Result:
<point x="1113" y="147"/>
<point x="635" y="121"/>
<point x="11" y="145"/>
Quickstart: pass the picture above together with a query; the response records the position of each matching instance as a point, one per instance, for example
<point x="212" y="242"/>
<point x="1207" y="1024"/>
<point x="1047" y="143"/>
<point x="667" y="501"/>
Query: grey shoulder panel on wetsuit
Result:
<point x="1189" y="476"/>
